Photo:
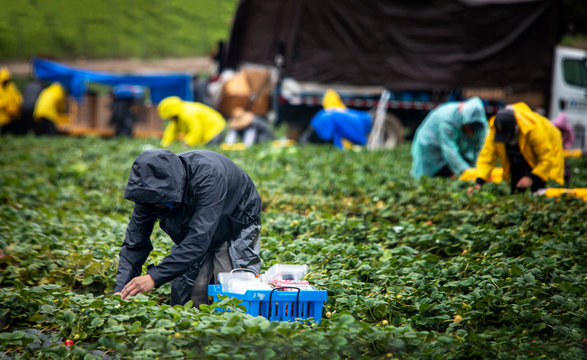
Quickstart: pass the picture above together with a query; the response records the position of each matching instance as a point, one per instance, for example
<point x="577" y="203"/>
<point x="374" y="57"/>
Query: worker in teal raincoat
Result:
<point x="449" y="139"/>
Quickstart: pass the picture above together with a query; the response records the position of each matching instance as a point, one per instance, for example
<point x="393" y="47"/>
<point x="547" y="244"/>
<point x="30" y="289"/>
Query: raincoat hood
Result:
<point x="156" y="176"/>
<point x="473" y="112"/>
<point x="51" y="103"/>
<point x="5" y="74"/>
<point x="170" y="107"/>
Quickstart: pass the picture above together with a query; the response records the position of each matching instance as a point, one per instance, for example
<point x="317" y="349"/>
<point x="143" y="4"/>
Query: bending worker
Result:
<point x="529" y="147"/>
<point x="209" y="207"/>
<point x="338" y="125"/>
<point x="10" y="100"/>
<point x="449" y="139"/>
<point x="251" y="128"/>
<point x="49" y="110"/>
<point x="199" y="123"/>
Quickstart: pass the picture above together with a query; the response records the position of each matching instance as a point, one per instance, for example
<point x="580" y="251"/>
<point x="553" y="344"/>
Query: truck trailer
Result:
<point x="423" y="53"/>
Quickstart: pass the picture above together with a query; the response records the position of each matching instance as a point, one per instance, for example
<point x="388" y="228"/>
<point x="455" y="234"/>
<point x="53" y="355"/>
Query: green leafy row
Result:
<point x="413" y="270"/>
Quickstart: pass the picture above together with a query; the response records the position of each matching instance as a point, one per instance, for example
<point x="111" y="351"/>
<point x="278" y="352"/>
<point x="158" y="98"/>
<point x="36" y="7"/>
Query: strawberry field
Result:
<point x="413" y="270"/>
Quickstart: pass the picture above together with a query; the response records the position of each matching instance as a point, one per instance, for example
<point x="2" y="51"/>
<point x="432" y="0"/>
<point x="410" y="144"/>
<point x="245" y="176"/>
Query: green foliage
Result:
<point x="110" y="28"/>
<point x="413" y="270"/>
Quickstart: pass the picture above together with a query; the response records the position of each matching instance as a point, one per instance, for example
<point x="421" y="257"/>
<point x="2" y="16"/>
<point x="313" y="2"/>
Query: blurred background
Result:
<point x="66" y="29"/>
<point x="182" y="36"/>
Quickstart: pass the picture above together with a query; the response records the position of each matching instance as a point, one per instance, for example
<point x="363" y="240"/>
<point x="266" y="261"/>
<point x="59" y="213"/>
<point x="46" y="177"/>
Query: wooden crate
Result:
<point x="92" y="117"/>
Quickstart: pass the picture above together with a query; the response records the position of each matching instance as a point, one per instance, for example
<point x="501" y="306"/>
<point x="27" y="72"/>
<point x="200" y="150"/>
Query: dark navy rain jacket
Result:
<point x="213" y="201"/>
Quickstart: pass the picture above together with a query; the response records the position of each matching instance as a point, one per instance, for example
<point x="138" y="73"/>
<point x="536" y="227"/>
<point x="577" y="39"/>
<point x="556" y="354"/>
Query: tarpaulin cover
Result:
<point x="402" y="44"/>
<point x="76" y="80"/>
<point x="128" y="91"/>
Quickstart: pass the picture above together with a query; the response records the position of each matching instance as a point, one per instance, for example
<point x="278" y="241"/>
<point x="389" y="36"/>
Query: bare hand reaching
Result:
<point x="138" y="285"/>
<point x="524" y="182"/>
<point x="472" y="189"/>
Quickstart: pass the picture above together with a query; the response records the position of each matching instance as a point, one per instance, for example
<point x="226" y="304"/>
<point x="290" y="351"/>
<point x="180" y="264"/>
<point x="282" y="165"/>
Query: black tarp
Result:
<point x="402" y="44"/>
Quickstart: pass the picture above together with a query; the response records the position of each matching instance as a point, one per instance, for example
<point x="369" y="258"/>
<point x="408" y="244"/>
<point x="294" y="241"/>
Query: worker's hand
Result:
<point x="118" y="293"/>
<point x="138" y="285"/>
<point x="472" y="189"/>
<point x="524" y="182"/>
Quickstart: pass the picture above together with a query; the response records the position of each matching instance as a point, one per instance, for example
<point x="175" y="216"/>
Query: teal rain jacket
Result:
<point x="440" y="140"/>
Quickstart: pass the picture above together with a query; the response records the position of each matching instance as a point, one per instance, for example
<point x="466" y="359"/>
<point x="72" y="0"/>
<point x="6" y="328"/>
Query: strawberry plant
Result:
<point x="413" y="269"/>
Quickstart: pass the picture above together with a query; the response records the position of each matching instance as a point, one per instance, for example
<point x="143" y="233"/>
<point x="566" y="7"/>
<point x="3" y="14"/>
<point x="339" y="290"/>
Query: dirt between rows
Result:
<point x="191" y="65"/>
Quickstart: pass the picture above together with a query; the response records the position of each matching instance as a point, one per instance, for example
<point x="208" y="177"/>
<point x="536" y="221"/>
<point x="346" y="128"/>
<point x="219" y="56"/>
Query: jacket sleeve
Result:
<point x="170" y="133"/>
<point x="542" y="149"/>
<point x="136" y="246"/>
<point x="480" y="138"/>
<point x="487" y="157"/>
<point x="450" y="149"/>
<point x="209" y="200"/>
<point x="14" y="100"/>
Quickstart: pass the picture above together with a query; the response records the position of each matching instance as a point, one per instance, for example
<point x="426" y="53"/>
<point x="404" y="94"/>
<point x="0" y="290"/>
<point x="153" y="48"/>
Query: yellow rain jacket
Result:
<point x="51" y="104"/>
<point x="540" y="143"/>
<point x="197" y="122"/>
<point x="10" y="98"/>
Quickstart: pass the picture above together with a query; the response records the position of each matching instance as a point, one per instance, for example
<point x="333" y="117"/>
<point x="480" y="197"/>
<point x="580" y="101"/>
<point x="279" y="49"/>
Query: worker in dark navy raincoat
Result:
<point x="207" y="205"/>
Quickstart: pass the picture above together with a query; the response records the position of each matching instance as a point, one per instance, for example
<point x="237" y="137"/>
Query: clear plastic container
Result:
<point x="239" y="282"/>
<point x="291" y="285"/>
<point x="284" y="272"/>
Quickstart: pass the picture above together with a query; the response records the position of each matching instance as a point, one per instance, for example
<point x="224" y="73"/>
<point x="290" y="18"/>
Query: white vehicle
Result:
<point x="569" y="91"/>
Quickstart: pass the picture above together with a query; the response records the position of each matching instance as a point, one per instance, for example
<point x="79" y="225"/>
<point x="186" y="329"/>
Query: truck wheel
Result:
<point x="393" y="132"/>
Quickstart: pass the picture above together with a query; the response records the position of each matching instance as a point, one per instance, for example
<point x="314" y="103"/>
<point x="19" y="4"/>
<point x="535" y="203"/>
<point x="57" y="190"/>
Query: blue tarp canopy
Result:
<point x="76" y="80"/>
<point x="128" y="91"/>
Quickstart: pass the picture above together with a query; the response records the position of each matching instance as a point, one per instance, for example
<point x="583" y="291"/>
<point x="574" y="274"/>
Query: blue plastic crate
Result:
<point x="278" y="305"/>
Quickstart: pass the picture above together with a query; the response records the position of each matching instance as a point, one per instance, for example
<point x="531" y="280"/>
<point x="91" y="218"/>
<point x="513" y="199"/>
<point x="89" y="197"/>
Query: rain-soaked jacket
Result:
<point x="440" y="140"/>
<point x="10" y="98"/>
<point x="51" y="103"/>
<point x="540" y="143"/>
<point x="197" y="122"/>
<point x="214" y="200"/>
<point x="337" y="124"/>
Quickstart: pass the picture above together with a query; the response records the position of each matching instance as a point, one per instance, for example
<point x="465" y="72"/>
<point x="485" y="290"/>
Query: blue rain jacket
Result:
<point x="336" y="124"/>
<point x="440" y="140"/>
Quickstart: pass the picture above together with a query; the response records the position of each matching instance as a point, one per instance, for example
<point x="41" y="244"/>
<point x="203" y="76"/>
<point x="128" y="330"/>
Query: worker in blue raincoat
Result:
<point x="449" y="139"/>
<point x="337" y="124"/>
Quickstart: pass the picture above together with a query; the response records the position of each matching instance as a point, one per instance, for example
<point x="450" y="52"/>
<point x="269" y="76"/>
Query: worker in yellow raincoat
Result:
<point x="10" y="100"/>
<point x="199" y="124"/>
<point x="529" y="147"/>
<point x="50" y="109"/>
